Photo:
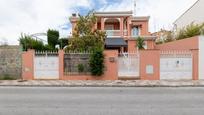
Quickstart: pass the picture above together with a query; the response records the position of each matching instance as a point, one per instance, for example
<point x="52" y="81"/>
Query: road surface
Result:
<point x="101" y="101"/>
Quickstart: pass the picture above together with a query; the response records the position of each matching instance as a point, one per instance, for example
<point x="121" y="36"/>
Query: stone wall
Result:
<point x="10" y="61"/>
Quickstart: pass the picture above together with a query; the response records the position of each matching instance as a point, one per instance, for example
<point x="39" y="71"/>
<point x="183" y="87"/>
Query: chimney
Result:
<point x="74" y="15"/>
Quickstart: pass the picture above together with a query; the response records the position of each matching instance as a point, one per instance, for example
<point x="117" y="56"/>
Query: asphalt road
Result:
<point x="101" y="101"/>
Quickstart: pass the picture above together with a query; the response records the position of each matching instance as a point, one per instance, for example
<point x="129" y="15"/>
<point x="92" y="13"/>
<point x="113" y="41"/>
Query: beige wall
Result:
<point x="194" y="14"/>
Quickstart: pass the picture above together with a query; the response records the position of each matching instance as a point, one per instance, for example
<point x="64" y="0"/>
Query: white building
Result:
<point x="194" y="14"/>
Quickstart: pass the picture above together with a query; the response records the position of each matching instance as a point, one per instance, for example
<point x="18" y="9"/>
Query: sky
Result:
<point x="36" y="16"/>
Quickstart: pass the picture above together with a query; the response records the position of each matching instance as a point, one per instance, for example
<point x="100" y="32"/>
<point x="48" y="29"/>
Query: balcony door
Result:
<point x="109" y="27"/>
<point x="109" y="30"/>
<point x="135" y="31"/>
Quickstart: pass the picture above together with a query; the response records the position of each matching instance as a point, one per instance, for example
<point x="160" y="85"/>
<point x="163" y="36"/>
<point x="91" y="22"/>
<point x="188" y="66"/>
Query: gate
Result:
<point x="128" y="65"/>
<point x="175" y="65"/>
<point x="46" y="65"/>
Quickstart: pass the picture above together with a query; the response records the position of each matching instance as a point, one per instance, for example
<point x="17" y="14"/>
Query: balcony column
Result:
<point x="122" y="26"/>
<point x="128" y="27"/>
<point x="102" y="24"/>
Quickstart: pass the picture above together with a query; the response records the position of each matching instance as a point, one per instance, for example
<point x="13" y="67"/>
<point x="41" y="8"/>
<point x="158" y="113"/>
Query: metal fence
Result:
<point x="76" y="63"/>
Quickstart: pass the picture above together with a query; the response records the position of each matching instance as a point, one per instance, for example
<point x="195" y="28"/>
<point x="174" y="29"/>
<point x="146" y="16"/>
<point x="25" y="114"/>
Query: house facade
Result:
<point x="122" y="30"/>
<point x="177" y="60"/>
<point x="193" y="14"/>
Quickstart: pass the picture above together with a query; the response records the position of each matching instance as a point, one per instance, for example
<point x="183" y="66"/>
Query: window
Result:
<point x="135" y="31"/>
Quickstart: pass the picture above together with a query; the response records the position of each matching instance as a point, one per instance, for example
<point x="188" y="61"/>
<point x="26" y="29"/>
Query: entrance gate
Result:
<point x="128" y="65"/>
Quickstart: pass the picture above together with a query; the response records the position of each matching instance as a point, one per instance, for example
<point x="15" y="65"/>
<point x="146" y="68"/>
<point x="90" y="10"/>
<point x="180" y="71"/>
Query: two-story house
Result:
<point x="122" y="30"/>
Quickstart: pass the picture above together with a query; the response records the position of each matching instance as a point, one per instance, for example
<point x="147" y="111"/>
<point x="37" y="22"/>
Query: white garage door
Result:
<point x="176" y="67"/>
<point x="46" y="67"/>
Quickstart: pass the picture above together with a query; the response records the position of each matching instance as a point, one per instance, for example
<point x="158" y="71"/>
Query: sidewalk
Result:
<point x="118" y="83"/>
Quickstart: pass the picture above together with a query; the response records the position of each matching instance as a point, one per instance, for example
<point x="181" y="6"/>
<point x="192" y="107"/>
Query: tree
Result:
<point x="85" y="37"/>
<point x="140" y="43"/>
<point x="52" y="37"/>
<point x="63" y="42"/>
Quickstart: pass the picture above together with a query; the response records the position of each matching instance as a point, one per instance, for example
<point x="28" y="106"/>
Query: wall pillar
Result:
<point x="61" y="64"/>
<point x="111" y="65"/>
<point x="28" y="65"/>
<point x="149" y="64"/>
<point x="195" y="64"/>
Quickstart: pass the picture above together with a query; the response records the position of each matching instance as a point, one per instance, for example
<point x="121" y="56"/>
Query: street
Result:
<point x="101" y="101"/>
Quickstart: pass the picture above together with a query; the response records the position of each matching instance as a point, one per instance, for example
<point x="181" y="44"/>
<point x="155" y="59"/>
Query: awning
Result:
<point x="115" y="42"/>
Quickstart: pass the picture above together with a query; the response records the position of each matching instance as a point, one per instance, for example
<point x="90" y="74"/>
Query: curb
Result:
<point x="130" y="83"/>
<point x="173" y="86"/>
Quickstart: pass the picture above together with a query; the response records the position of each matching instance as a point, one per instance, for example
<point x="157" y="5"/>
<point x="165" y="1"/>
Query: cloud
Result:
<point x="35" y="16"/>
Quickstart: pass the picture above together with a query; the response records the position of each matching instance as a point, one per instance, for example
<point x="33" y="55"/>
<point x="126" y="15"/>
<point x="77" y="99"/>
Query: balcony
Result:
<point x="116" y="33"/>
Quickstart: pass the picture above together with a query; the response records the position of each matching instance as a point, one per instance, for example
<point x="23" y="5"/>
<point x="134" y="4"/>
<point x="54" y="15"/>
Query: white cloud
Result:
<point x="34" y="16"/>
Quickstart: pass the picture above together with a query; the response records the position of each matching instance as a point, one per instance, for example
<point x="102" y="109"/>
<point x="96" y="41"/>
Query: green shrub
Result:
<point x="97" y="62"/>
<point x="7" y="77"/>
<point x="190" y="31"/>
<point x="28" y="42"/>
<point x="140" y="43"/>
<point x="80" y="68"/>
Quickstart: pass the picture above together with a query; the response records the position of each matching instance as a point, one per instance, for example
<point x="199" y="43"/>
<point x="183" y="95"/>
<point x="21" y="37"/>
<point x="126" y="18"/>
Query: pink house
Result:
<point x="178" y="60"/>
<point x="122" y="29"/>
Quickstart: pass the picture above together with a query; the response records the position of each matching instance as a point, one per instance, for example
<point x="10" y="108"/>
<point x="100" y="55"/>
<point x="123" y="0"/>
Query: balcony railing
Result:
<point x="112" y="33"/>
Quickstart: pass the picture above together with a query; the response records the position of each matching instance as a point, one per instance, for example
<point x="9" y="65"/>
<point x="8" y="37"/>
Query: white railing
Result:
<point x="116" y="32"/>
<point x="176" y="53"/>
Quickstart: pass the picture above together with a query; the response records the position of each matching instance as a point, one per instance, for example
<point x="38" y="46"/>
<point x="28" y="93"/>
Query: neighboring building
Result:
<point x="193" y="14"/>
<point x="122" y="29"/>
<point x="162" y="35"/>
